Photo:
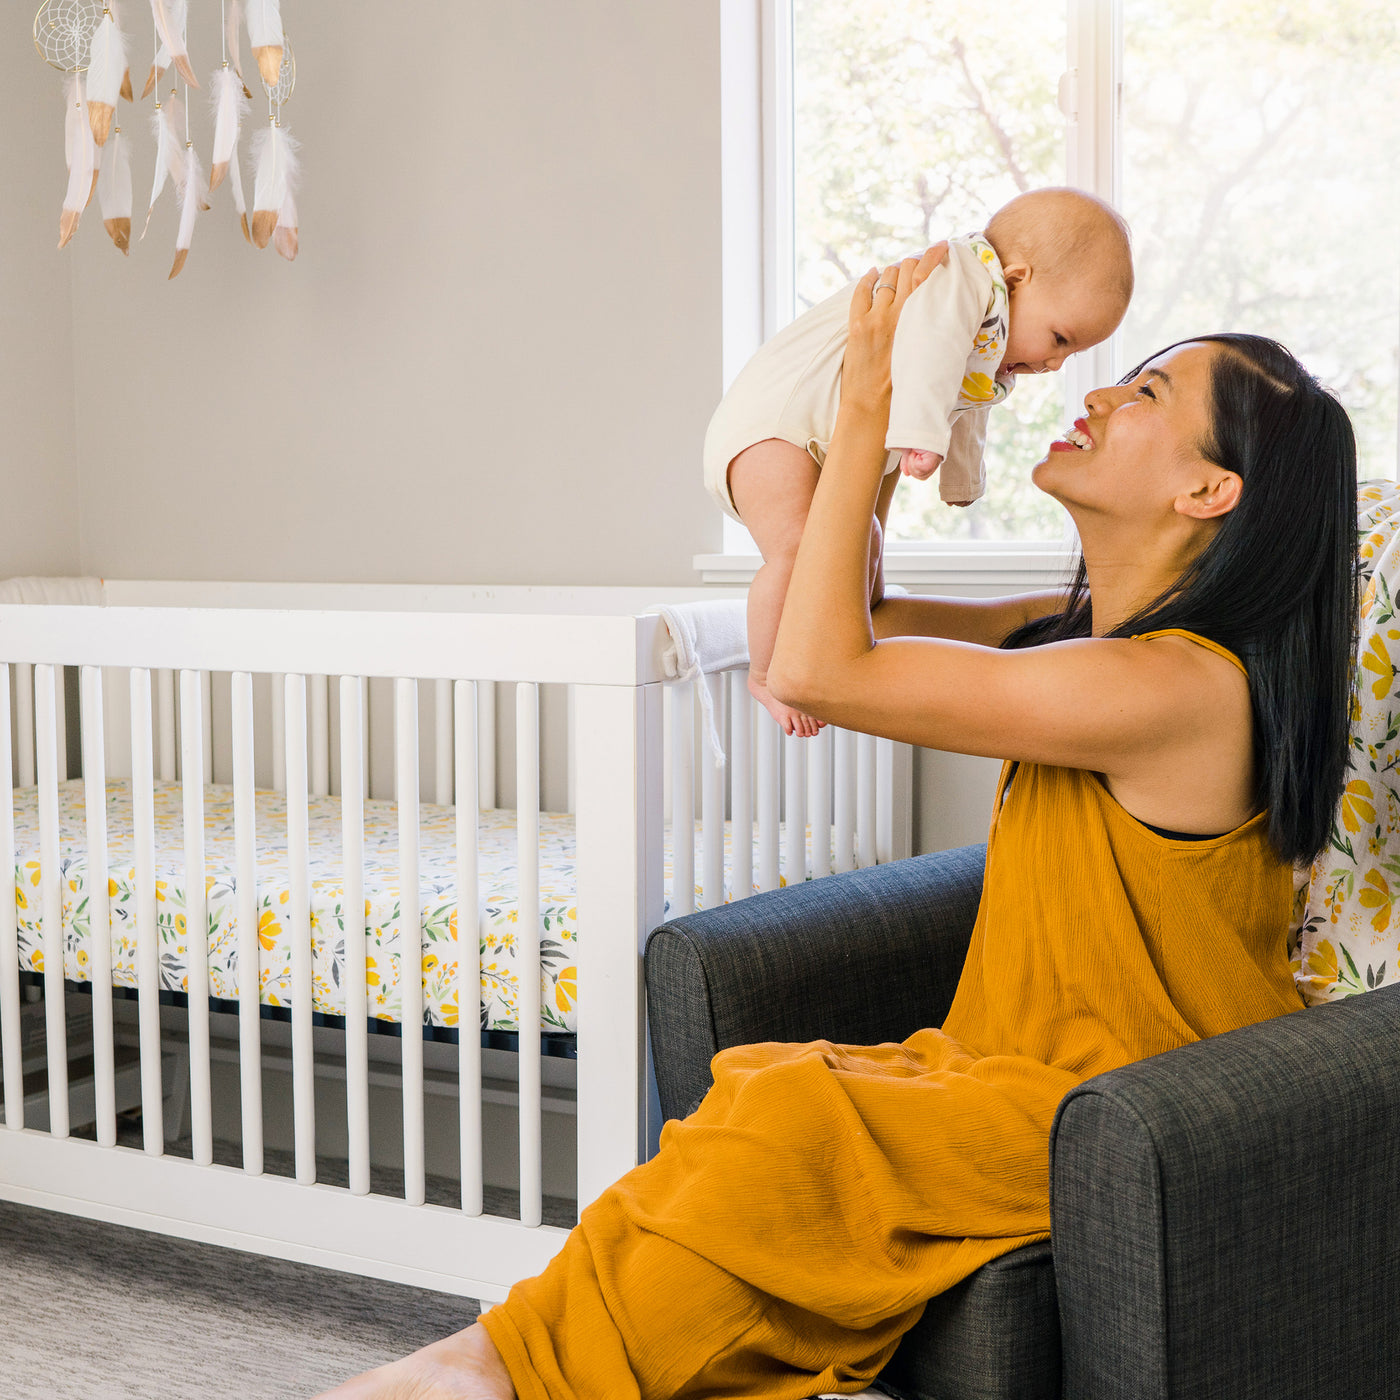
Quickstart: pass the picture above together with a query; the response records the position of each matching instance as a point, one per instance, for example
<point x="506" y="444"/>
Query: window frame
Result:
<point x="758" y="251"/>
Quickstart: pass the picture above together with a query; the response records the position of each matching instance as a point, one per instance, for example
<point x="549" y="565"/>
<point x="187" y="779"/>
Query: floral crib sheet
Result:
<point x="497" y="894"/>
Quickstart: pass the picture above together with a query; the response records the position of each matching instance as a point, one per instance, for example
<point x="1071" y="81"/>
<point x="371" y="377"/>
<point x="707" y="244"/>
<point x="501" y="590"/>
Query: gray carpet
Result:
<point x="100" y="1312"/>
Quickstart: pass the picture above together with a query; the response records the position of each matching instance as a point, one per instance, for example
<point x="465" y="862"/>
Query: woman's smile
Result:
<point x="1076" y="439"/>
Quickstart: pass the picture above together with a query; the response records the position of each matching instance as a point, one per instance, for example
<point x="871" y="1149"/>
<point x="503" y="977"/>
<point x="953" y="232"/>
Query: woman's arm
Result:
<point x="987" y="621"/>
<point x="1113" y="706"/>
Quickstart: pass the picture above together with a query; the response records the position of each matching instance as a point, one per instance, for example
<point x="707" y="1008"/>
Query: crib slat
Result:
<point x="245" y="842"/>
<point x="165" y="713"/>
<point x="741" y="784"/>
<point x="319" y="687"/>
<point x="99" y="906"/>
<point x="682" y="800"/>
<point x="279" y="732"/>
<point x="410" y="937"/>
<point x="206" y="690"/>
<point x="60" y="722"/>
<point x="46" y="755"/>
<point x="442" y="750"/>
<point x="486" y="743"/>
<point x="819" y="757"/>
<point x="143" y="821"/>
<point x="527" y="813"/>
<point x="769" y="791"/>
<point x="468" y="947"/>
<point x="299" y="872"/>
<point x="11" y="1042"/>
<point x="352" y="840"/>
<point x="795" y="810"/>
<point x="865" y="800"/>
<point x="196" y="914"/>
<point x="712" y="805"/>
<point x="845" y="743"/>
<point x="24" y="722"/>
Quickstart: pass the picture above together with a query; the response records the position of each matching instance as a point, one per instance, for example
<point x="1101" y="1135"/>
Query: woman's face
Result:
<point x="1137" y="449"/>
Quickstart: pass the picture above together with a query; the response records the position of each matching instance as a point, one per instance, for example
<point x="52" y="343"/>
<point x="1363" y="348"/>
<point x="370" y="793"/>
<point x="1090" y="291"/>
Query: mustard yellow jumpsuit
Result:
<point x="791" y="1230"/>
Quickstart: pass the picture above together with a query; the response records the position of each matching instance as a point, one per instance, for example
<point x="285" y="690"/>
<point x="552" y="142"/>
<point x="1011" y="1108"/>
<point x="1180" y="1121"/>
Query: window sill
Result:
<point x="1018" y="567"/>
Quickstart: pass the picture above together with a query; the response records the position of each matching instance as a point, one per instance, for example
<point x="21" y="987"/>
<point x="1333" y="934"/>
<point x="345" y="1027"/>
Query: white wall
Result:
<point x="496" y="355"/>
<point x="38" y="478"/>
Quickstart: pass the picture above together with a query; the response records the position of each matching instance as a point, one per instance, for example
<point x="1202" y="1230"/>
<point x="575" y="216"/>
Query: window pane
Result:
<point x="1259" y="179"/>
<point x="916" y="119"/>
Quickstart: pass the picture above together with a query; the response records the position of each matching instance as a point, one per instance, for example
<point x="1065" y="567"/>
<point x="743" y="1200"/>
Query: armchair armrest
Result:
<point x="1224" y="1215"/>
<point x="861" y="958"/>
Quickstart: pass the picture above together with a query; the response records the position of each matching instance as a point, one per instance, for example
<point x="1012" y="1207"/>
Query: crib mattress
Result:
<point x="498" y="902"/>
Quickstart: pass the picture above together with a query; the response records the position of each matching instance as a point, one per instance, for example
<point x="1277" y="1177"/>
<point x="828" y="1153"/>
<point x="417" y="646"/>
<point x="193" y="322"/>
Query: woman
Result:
<point x="1175" y="732"/>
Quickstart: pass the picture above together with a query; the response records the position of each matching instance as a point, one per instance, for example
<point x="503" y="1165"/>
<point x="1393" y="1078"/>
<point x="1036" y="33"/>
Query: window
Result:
<point x="1252" y="152"/>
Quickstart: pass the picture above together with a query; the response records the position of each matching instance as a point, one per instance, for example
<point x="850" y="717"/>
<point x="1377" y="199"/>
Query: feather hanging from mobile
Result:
<point x="275" y="161"/>
<point x="165" y="128"/>
<point x="81" y="151"/>
<point x="266" y="37"/>
<point x="85" y="40"/>
<point x="114" y="191"/>
<point x="170" y="17"/>
<point x="107" y="76"/>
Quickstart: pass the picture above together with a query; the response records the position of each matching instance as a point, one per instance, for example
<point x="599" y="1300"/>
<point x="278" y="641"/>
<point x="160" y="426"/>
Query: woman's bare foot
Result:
<point x="792" y="721"/>
<point x="464" y="1366"/>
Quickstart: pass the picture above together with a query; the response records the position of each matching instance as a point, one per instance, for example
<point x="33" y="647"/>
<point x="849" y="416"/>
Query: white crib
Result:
<point x="354" y="692"/>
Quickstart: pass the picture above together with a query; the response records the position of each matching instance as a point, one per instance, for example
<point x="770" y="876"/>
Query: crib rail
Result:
<point x="194" y="695"/>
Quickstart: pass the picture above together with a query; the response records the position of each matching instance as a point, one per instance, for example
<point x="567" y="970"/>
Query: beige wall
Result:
<point x="496" y="355"/>
<point x="38" y="508"/>
<point x="493" y="361"/>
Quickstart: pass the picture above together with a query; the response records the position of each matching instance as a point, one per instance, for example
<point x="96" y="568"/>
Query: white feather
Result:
<point x="275" y="160"/>
<point x="73" y="116"/>
<point x="82" y="162"/>
<point x="265" y="24"/>
<point x="190" y="188"/>
<point x="229" y="105"/>
<point x="170" y="17"/>
<point x="106" y="62"/>
<point x="83" y="159"/>
<point x="168" y="151"/>
<point x="235" y="179"/>
<point x="114" y="179"/>
<point x="233" y="38"/>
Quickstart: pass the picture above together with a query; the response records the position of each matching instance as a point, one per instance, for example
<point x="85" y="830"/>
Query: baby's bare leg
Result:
<point x="772" y="484"/>
<point x="464" y="1366"/>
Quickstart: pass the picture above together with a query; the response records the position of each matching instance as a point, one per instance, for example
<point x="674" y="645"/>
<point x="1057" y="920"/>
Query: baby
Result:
<point x="1051" y="275"/>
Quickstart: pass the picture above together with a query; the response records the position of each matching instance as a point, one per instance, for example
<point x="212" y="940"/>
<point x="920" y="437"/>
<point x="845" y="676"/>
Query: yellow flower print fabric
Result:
<point x="1346" y="923"/>
<point x="498" y="902"/>
<point x="981" y="388"/>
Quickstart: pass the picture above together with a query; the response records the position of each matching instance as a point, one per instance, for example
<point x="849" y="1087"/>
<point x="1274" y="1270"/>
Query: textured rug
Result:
<point x="101" y="1312"/>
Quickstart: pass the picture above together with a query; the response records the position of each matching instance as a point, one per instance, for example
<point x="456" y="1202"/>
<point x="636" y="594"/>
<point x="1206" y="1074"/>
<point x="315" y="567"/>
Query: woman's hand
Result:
<point x="875" y="306"/>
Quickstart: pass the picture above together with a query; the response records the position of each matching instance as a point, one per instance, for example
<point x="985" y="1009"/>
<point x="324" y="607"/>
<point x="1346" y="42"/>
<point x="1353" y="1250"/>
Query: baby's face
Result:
<point x="1052" y="320"/>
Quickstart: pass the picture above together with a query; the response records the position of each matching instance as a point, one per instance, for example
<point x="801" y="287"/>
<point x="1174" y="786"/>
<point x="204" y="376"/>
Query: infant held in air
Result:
<point x="1051" y="274"/>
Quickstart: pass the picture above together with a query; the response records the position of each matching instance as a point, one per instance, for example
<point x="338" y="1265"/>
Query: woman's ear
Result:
<point x="1216" y="495"/>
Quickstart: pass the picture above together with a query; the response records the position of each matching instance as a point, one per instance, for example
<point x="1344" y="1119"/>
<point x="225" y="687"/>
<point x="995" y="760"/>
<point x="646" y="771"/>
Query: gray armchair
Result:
<point x="1225" y="1217"/>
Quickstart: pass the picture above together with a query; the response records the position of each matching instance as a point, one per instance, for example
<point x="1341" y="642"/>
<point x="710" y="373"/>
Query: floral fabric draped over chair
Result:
<point x="1346" y="921"/>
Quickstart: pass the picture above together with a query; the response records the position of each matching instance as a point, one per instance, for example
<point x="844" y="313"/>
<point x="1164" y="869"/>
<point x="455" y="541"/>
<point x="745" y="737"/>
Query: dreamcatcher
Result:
<point x="84" y="39"/>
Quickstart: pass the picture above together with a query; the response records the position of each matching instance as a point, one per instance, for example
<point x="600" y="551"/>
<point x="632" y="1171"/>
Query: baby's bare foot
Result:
<point x="919" y="465"/>
<point x="792" y="721"/>
<point x="464" y="1366"/>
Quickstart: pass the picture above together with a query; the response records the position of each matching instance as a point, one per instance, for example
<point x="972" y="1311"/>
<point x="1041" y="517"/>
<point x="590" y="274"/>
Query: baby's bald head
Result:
<point x="1067" y="236"/>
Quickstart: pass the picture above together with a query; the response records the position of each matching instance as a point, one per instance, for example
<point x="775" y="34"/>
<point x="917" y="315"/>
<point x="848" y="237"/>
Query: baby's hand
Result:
<point x="919" y="465"/>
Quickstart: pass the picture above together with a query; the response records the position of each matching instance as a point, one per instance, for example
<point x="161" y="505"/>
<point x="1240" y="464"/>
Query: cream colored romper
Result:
<point x="948" y="346"/>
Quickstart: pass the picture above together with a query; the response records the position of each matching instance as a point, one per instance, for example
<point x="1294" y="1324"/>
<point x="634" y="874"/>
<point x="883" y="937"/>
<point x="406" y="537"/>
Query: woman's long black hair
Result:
<point x="1277" y="585"/>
